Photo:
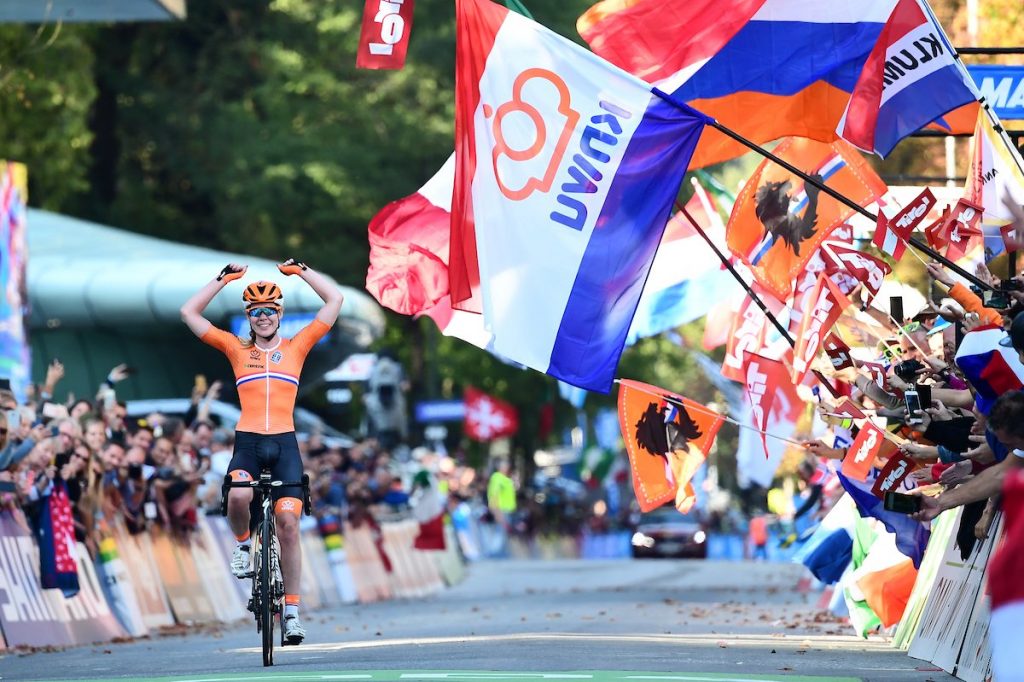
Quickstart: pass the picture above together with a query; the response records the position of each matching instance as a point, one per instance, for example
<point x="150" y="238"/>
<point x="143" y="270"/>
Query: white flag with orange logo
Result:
<point x="566" y="170"/>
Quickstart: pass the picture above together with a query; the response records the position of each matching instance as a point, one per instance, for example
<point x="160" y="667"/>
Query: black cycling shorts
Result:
<point x="278" y="451"/>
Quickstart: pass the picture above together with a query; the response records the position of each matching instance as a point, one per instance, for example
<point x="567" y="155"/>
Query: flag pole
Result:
<point x="753" y="146"/>
<point x="753" y="295"/>
<point x="746" y="287"/>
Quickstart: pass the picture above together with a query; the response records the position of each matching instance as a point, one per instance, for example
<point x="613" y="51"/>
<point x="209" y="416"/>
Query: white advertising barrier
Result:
<point x="449" y="562"/>
<point x="211" y="562"/>
<point x="314" y="583"/>
<point x="974" y="664"/>
<point x="144" y="577"/>
<point x="181" y="579"/>
<point x="225" y="540"/>
<point x="87" y="614"/>
<point x="344" y="581"/>
<point x="942" y="529"/>
<point x="32" y="616"/>
<point x="118" y="588"/>
<point x="415" y="574"/>
<point x="368" y="571"/>
<point x="26" y="614"/>
<point x="947" y="612"/>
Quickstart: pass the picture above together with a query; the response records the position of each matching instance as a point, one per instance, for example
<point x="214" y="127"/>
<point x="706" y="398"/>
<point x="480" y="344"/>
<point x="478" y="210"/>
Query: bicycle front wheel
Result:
<point x="266" y="613"/>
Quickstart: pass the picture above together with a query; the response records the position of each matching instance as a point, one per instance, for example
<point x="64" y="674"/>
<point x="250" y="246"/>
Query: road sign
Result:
<point x="440" y="411"/>
<point x="1002" y="87"/>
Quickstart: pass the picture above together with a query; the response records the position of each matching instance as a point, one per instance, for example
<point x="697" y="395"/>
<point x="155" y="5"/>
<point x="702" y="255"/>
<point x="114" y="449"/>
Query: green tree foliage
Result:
<point x="46" y="91"/>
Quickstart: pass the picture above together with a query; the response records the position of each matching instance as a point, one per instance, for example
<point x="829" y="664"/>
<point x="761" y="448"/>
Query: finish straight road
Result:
<point x="600" y="621"/>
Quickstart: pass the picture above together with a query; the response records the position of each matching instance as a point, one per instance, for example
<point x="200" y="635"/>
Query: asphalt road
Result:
<point x="606" y="621"/>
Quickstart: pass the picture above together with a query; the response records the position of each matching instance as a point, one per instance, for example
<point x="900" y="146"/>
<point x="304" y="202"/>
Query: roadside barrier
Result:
<point x="948" y="613"/>
<point x="141" y="583"/>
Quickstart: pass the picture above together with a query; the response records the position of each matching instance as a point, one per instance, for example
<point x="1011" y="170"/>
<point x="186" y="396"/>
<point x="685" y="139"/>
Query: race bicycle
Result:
<point x="267" y="597"/>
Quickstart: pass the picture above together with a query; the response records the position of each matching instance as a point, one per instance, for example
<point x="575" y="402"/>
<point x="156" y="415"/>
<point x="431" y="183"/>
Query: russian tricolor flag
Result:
<point x="909" y="80"/>
<point x="566" y="171"/>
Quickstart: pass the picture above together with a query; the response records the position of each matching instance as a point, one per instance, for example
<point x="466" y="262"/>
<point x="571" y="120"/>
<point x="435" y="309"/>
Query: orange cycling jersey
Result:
<point x="267" y="380"/>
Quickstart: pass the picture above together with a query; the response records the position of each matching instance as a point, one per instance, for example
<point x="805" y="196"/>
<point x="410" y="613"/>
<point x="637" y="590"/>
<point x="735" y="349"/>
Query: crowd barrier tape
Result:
<point x="368" y="572"/>
<point x="953" y="630"/>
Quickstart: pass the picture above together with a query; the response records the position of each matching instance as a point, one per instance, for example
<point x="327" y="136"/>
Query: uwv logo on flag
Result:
<point x="527" y="158"/>
<point x="552" y="142"/>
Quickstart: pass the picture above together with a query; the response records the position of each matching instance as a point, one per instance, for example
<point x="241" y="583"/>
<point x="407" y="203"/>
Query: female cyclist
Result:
<point x="267" y="369"/>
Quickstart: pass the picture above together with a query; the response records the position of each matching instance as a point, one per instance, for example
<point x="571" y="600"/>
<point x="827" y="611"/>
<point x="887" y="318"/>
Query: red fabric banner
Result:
<point x="869" y="444"/>
<point x="384" y="38"/>
<point x="826" y="304"/>
<point x="765" y="378"/>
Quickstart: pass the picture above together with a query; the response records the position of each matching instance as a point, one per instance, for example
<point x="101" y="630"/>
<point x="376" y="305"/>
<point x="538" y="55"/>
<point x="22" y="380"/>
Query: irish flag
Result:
<point x="566" y="169"/>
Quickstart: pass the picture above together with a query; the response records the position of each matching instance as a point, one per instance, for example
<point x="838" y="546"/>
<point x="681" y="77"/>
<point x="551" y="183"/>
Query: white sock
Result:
<point x="291" y="610"/>
<point x="244" y="543"/>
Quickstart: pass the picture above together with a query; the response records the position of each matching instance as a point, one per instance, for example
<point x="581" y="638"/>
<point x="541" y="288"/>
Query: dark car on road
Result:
<point x="664" y="532"/>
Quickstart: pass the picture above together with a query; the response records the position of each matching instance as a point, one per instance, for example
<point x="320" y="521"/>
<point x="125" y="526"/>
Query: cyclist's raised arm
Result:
<point x="192" y="311"/>
<point x="333" y="298"/>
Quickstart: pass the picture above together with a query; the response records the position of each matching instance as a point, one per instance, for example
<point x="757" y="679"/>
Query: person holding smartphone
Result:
<point x="267" y="368"/>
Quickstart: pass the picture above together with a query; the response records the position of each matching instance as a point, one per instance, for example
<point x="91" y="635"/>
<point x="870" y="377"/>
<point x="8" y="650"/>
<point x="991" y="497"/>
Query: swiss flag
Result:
<point x="487" y="417"/>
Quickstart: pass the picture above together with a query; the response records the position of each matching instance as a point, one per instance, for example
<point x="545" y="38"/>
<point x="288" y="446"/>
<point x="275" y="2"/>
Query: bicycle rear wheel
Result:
<point x="266" y="610"/>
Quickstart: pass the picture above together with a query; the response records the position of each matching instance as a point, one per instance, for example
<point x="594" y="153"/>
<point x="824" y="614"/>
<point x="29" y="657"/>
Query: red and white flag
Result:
<point x="891" y="235"/>
<point x="488" y="417"/>
<point x="826" y="304"/>
<point x="865" y="269"/>
<point x="860" y="456"/>
<point x="384" y="38"/>
<point x="765" y="378"/>
<point x="408" y="270"/>
<point x="749" y="327"/>
<point x="893" y="474"/>
<point x="838" y="352"/>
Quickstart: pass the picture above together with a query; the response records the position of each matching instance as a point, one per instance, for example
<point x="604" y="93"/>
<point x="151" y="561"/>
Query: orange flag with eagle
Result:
<point x="778" y="221"/>
<point x="667" y="439"/>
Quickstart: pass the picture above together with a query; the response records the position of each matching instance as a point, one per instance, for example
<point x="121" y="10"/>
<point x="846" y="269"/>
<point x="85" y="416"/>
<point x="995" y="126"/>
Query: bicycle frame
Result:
<point x="267" y="580"/>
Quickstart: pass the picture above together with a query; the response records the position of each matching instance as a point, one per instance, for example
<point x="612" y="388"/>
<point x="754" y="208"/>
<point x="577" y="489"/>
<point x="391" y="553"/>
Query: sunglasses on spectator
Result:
<point x="256" y="312"/>
<point x="3" y="431"/>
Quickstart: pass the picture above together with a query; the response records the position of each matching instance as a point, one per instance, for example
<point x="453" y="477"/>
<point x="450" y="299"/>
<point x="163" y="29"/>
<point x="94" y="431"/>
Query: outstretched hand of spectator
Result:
<point x="54" y="373"/>
<point x="119" y="373"/>
<point x="939" y="274"/>
<point x="956" y="474"/>
<point x="930" y="507"/>
<point x="971" y="322"/>
<point x="213" y="393"/>
<point x="985" y="275"/>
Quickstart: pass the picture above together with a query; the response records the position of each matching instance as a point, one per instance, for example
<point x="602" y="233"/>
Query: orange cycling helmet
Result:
<point x="262" y="293"/>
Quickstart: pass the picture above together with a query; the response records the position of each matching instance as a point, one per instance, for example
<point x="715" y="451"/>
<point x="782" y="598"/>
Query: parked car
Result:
<point x="228" y="416"/>
<point x="664" y="532"/>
